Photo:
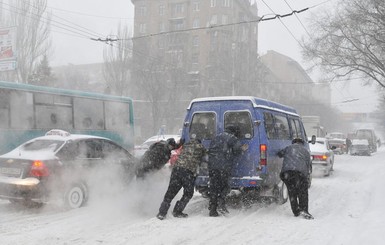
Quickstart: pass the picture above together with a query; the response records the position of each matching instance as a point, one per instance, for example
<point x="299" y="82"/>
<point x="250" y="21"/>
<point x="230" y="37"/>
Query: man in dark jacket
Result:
<point x="183" y="175"/>
<point x="295" y="173"/>
<point x="223" y="148"/>
<point x="156" y="157"/>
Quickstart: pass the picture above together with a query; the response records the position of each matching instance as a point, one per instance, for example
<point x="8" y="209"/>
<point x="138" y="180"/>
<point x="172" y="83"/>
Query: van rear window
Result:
<point x="242" y="120"/>
<point x="203" y="125"/>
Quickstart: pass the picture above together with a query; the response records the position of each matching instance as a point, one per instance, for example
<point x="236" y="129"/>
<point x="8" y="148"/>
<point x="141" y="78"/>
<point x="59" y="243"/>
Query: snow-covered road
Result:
<point x="348" y="206"/>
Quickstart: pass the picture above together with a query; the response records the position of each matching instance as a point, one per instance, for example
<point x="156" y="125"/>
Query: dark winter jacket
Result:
<point x="155" y="157"/>
<point x="297" y="158"/>
<point x="223" y="148"/>
<point x="191" y="155"/>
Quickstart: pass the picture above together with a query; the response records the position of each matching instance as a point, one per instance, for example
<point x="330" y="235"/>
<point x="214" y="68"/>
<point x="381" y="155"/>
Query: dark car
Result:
<point x="63" y="165"/>
<point x="360" y="147"/>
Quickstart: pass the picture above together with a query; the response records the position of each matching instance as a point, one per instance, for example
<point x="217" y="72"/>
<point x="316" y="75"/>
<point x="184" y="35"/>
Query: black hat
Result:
<point x="171" y="141"/>
<point x="297" y="140"/>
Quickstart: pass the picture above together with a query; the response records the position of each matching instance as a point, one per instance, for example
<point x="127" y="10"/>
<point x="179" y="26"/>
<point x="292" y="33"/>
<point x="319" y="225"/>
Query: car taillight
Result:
<point x="320" y="157"/>
<point x="263" y="156"/>
<point x="38" y="169"/>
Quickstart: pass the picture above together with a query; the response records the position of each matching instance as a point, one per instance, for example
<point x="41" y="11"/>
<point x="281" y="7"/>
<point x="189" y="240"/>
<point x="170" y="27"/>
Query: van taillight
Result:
<point x="263" y="155"/>
<point x="38" y="169"/>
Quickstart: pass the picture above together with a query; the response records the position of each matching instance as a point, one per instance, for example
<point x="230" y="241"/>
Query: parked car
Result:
<point x="141" y="149"/>
<point x="360" y="147"/>
<point x="62" y="165"/>
<point x="322" y="156"/>
<point x="370" y="136"/>
<point x="338" y="145"/>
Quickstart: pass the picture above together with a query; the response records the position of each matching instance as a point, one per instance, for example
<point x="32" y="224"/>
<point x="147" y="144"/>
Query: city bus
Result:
<point x="28" y="111"/>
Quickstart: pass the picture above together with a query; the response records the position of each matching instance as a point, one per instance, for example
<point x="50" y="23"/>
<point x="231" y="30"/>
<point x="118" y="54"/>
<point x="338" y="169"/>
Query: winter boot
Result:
<point x="178" y="210"/>
<point x="161" y="216"/>
<point x="213" y="213"/>
<point x="306" y="215"/>
<point x="179" y="215"/>
<point x="164" y="206"/>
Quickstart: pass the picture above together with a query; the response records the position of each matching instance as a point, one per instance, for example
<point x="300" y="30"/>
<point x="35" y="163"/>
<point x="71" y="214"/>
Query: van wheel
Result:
<point x="281" y="193"/>
<point x="76" y="196"/>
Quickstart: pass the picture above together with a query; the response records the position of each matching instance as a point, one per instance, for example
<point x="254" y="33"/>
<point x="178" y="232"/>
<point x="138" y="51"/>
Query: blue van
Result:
<point x="266" y="126"/>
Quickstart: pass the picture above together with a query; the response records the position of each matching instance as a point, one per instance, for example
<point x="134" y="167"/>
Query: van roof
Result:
<point x="257" y="103"/>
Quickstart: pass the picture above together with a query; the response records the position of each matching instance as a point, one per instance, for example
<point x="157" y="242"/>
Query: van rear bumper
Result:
<point x="236" y="183"/>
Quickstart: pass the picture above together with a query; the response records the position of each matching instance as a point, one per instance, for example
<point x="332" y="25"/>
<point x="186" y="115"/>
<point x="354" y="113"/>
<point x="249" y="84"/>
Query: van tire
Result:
<point x="281" y="193"/>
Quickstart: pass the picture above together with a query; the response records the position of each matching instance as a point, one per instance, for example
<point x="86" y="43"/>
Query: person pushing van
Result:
<point x="156" y="156"/>
<point x="295" y="172"/>
<point x="223" y="148"/>
<point x="183" y="176"/>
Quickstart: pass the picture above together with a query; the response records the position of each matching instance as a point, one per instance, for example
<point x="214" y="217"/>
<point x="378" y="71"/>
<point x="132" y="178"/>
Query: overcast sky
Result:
<point x="99" y="18"/>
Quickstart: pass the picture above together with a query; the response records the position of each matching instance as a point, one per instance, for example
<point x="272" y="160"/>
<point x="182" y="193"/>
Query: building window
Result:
<point x="226" y="3"/>
<point x="195" y="41"/>
<point x="196" y="23"/>
<point x="213" y="3"/>
<point x="179" y="25"/>
<point x="162" y="27"/>
<point x="214" y="19"/>
<point x="225" y="19"/>
<point x="142" y="11"/>
<point x="142" y="28"/>
<point x="195" y="6"/>
<point x="177" y="9"/>
<point x="162" y="9"/>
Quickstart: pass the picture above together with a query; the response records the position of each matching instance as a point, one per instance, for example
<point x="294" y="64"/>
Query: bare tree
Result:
<point x="117" y="60"/>
<point x="33" y="34"/>
<point x="350" y="40"/>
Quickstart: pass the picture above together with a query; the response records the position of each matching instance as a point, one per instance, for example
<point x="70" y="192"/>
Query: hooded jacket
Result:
<point x="296" y="158"/>
<point x="223" y="148"/>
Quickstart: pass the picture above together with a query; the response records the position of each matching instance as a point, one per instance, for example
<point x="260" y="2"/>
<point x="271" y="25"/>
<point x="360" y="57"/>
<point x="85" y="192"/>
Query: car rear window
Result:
<point x="37" y="145"/>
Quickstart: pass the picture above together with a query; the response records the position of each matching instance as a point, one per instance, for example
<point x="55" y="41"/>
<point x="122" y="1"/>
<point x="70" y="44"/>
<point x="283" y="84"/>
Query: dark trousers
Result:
<point x="297" y="186"/>
<point x="180" y="177"/>
<point x="218" y="188"/>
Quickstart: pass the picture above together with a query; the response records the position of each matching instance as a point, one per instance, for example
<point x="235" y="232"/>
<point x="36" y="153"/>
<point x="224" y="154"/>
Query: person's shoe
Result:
<point x="213" y="213"/>
<point x="306" y="215"/>
<point x="179" y="215"/>
<point x="161" y="216"/>
<point x="223" y="210"/>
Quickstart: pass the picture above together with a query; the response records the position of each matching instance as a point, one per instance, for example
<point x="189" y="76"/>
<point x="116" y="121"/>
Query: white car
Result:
<point x="141" y="149"/>
<point x="322" y="156"/>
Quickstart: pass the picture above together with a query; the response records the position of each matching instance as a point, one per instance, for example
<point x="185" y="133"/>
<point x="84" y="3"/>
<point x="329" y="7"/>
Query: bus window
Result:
<point x="117" y="115"/>
<point x="241" y="119"/>
<point x="282" y="127"/>
<point x="296" y="129"/>
<point x="21" y="107"/>
<point x="88" y="114"/>
<point x="52" y="112"/>
<point x="4" y="109"/>
<point x="205" y="124"/>
<point x="269" y="125"/>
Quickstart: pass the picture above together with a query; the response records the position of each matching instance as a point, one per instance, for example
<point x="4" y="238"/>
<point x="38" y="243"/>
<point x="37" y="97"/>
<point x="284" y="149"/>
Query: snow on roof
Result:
<point x="360" y="142"/>
<point x="257" y="102"/>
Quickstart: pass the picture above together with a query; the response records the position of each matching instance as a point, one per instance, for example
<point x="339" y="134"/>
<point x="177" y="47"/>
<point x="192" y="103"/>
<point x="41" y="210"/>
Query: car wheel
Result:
<point x="75" y="196"/>
<point x="282" y="193"/>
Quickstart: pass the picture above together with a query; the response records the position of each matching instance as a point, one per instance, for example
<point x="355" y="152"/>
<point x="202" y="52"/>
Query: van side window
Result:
<point x="203" y="125"/>
<point x="269" y="125"/>
<point x="296" y="129"/>
<point x="241" y="119"/>
<point x="282" y="127"/>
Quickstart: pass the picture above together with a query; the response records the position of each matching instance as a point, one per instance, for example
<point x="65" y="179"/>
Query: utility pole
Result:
<point x="1" y="11"/>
